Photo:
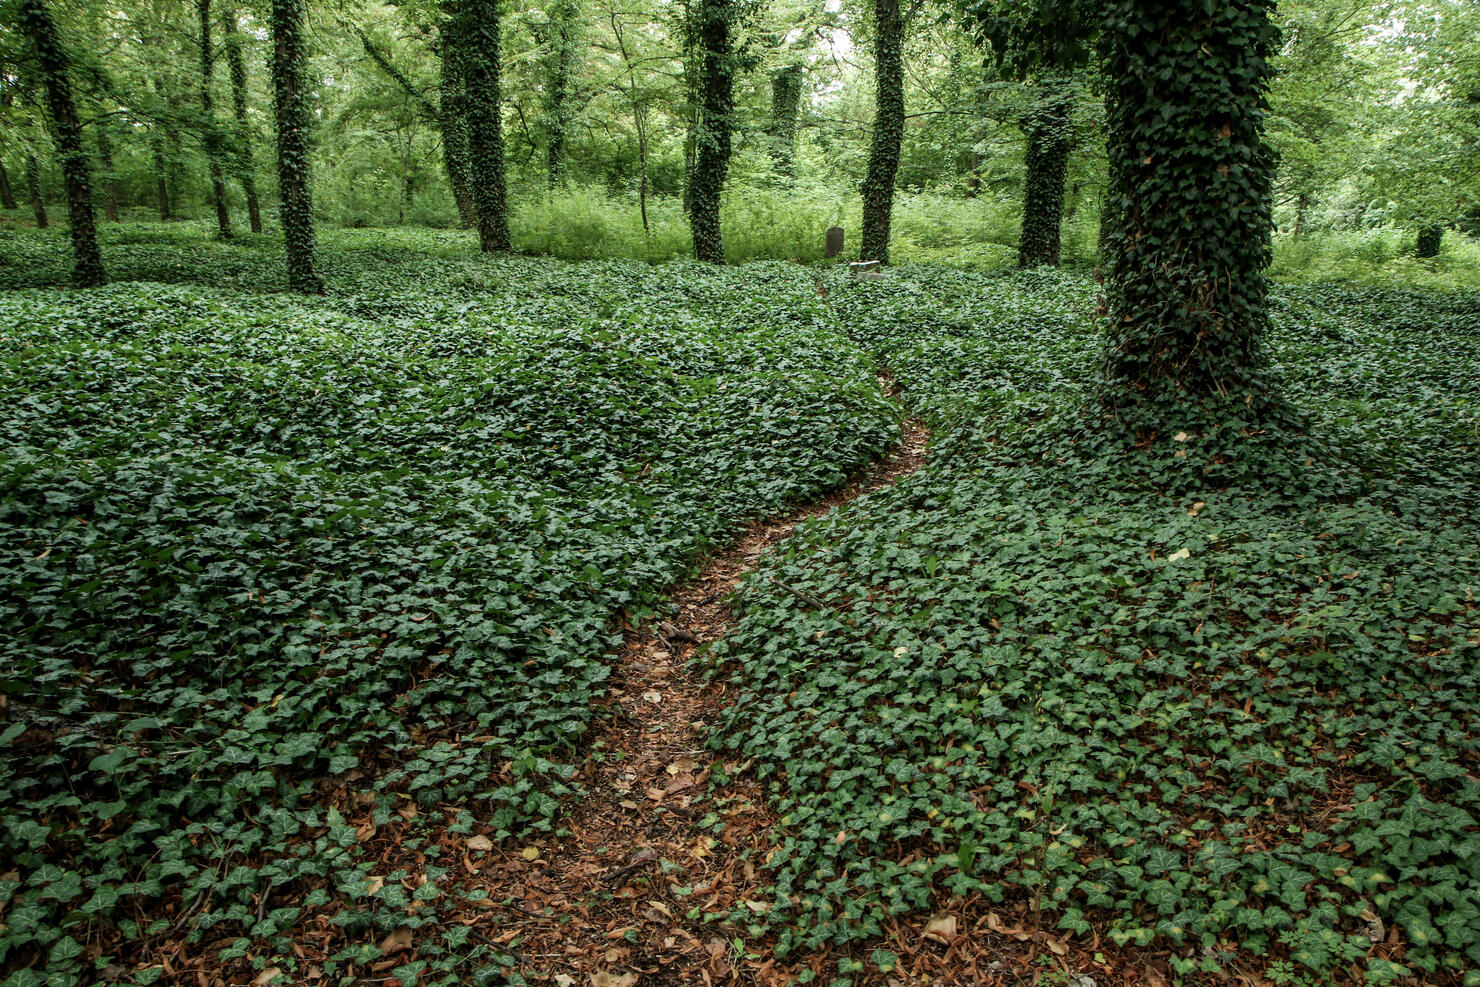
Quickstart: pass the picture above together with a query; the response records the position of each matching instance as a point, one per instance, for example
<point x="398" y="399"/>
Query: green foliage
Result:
<point x="259" y="548"/>
<point x="1210" y="711"/>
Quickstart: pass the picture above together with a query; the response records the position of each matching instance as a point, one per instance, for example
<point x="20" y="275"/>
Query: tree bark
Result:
<point x="1048" y="126"/>
<point x="478" y="59"/>
<point x="212" y="137"/>
<point x="883" y="159"/>
<point x="290" y="107"/>
<point x="245" y="166"/>
<point x="786" y="101"/>
<point x="52" y="64"/>
<point x="1430" y="239"/>
<point x="33" y="189"/>
<point x="7" y="194"/>
<point x="1191" y="175"/>
<point x="712" y="138"/>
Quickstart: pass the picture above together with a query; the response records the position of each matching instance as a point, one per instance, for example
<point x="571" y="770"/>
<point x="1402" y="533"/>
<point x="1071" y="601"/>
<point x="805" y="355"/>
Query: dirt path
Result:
<point x="606" y="905"/>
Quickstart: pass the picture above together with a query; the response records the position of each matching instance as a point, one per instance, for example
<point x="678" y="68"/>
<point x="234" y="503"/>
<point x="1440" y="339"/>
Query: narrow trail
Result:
<point x="606" y="905"/>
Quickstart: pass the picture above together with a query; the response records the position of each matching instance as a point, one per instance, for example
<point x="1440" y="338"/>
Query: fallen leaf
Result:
<point x="602" y="978"/>
<point x="530" y="853"/>
<point x="1181" y="437"/>
<point x="480" y="843"/>
<point x="759" y="907"/>
<point x="1056" y="946"/>
<point x="266" y="977"/>
<point x="1179" y="554"/>
<point x="397" y="942"/>
<point x="653" y="697"/>
<point x="374" y="884"/>
<point x="682" y="765"/>
<point x="942" y="929"/>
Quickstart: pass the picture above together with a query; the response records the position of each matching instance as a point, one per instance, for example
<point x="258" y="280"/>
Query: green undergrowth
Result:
<point x="1157" y="694"/>
<point x="258" y="551"/>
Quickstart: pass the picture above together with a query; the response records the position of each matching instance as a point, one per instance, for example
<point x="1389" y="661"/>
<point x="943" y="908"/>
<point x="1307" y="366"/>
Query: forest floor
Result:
<point x="462" y="626"/>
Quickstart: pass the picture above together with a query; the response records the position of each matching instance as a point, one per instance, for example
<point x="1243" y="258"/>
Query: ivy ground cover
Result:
<point x="266" y="557"/>
<point x="1147" y="694"/>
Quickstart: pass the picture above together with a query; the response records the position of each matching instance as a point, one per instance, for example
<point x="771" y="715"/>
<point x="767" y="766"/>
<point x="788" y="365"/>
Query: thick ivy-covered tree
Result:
<point x="1049" y="127"/>
<point x="453" y="118"/>
<point x="562" y="41"/>
<point x="478" y="34"/>
<point x="290" y="107"/>
<point x="786" y="101"/>
<point x="52" y="65"/>
<point x="888" y="137"/>
<point x="245" y="168"/>
<point x="1187" y="85"/>
<point x="715" y="126"/>
<point x="210" y="135"/>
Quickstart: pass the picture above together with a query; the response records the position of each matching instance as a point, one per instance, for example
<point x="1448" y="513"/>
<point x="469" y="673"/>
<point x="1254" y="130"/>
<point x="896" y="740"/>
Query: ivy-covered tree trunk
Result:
<point x="33" y="190"/>
<point x="1048" y="126"/>
<point x="478" y="56"/>
<point x="52" y="65"/>
<point x="290" y="107"/>
<point x="246" y="168"/>
<point x="105" y="162"/>
<point x="208" y="121"/>
<point x="454" y="121"/>
<point x="712" y="138"/>
<point x="786" y="101"/>
<point x="564" y="34"/>
<point x="7" y="194"/>
<point x="1191" y="174"/>
<point x="1430" y="239"/>
<point x="883" y="158"/>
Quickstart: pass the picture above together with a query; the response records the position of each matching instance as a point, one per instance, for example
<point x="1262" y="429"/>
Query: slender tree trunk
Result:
<point x="563" y="38"/>
<point x="7" y="194"/>
<point x="245" y="166"/>
<point x="161" y="180"/>
<point x="639" y="121"/>
<point x="1302" y="208"/>
<point x="290" y="107"/>
<point x="1430" y="238"/>
<point x="1050" y="140"/>
<point x="478" y="63"/>
<point x="712" y="151"/>
<point x="1192" y="174"/>
<point x="208" y="121"/>
<point x="453" y="115"/>
<point x="883" y="159"/>
<point x="33" y="189"/>
<point x="51" y="60"/>
<point x="110" y="181"/>
<point x="786" y="101"/>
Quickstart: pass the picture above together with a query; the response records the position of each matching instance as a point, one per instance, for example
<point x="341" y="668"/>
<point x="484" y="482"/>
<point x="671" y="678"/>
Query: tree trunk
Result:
<point x="245" y="166"/>
<point x="786" y="100"/>
<point x="161" y="180"/>
<point x="51" y="62"/>
<point x="563" y="37"/>
<point x="1302" y="209"/>
<point x="208" y="121"/>
<point x="33" y="188"/>
<point x="7" y="194"/>
<point x="712" y="139"/>
<point x="478" y="41"/>
<point x="1048" y="126"/>
<point x="1430" y="238"/>
<point x="290" y="107"/>
<point x="110" y="182"/>
<point x="1191" y="173"/>
<point x="883" y="159"/>
<point x="454" y="121"/>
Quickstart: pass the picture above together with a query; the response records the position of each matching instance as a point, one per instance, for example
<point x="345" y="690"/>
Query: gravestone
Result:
<point x="834" y="241"/>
